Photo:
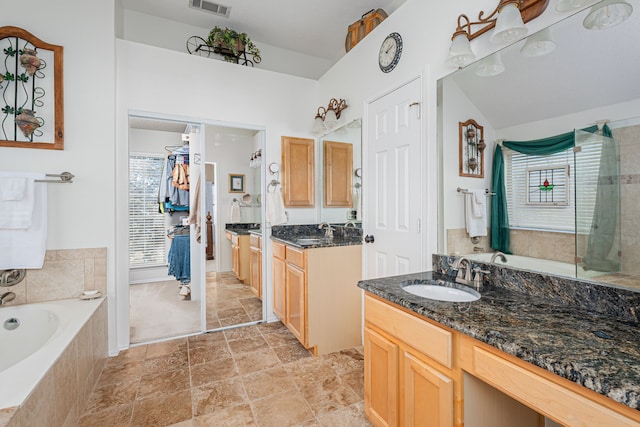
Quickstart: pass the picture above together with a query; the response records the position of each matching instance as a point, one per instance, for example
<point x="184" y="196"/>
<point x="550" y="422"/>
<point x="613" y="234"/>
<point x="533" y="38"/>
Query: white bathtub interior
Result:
<point x="60" y="322"/>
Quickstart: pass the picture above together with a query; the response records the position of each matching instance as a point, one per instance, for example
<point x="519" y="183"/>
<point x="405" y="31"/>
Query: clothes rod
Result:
<point x="63" y="178"/>
<point x="466" y="191"/>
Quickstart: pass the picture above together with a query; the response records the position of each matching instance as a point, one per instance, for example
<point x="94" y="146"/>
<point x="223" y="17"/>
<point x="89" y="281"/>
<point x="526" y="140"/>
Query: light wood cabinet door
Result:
<point x="338" y="174"/>
<point x="380" y="379"/>
<point x="235" y="260"/>
<point x="255" y="271"/>
<point x="296" y="300"/>
<point x="298" y="172"/>
<point x="427" y="394"/>
<point x="279" y="301"/>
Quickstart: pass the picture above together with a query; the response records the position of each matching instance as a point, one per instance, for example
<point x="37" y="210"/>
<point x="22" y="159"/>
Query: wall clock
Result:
<point x="390" y="52"/>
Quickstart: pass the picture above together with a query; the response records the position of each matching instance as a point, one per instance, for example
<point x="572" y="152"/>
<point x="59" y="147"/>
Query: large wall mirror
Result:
<point x="573" y="213"/>
<point x="341" y="183"/>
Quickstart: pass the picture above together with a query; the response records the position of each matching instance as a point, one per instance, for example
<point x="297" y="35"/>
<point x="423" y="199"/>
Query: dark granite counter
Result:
<point x="241" y="229"/>
<point x="342" y="236"/>
<point x="595" y="350"/>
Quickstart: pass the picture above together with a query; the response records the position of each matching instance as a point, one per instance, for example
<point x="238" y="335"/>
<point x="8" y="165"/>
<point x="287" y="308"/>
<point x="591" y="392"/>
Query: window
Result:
<point x="147" y="234"/>
<point x="531" y="204"/>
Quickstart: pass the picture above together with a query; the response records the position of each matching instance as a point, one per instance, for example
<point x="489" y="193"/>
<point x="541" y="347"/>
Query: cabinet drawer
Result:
<point x="255" y="241"/>
<point x="429" y="339"/>
<point x="541" y="394"/>
<point x="295" y="257"/>
<point x="278" y="250"/>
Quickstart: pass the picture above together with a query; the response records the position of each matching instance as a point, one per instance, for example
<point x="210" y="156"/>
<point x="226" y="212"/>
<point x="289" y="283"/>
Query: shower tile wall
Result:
<point x="66" y="273"/>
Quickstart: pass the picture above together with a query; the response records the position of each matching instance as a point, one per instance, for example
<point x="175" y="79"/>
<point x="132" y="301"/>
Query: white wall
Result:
<point x="154" y="31"/>
<point x="81" y="214"/>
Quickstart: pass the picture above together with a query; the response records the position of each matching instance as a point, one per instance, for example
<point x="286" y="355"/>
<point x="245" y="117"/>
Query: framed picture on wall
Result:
<point x="236" y="183"/>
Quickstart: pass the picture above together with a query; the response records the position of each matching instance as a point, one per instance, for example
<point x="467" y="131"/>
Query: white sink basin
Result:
<point x="442" y="293"/>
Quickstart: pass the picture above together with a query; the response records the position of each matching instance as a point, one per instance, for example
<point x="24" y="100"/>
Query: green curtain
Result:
<point x="500" y="240"/>
<point x="604" y="229"/>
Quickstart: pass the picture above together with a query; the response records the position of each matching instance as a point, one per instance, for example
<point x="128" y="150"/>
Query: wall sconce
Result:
<point x="607" y="14"/>
<point x="508" y="19"/>
<point x="327" y="118"/>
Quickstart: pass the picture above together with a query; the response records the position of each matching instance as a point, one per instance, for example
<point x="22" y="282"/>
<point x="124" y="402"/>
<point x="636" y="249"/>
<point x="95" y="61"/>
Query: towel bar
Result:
<point x="466" y="191"/>
<point x="64" y="178"/>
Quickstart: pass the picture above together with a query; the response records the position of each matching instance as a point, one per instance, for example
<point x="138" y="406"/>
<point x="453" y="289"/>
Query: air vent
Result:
<point x="207" y="6"/>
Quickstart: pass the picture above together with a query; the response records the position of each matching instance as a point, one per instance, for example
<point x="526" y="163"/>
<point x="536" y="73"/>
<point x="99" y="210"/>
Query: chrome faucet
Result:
<point x="500" y="255"/>
<point x="328" y="232"/>
<point x="461" y="264"/>
<point x="6" y="297"/>
<point x="351" y="223"/>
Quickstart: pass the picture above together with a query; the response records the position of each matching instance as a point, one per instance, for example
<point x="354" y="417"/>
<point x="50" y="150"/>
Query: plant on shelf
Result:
<point x="229" y="41"/>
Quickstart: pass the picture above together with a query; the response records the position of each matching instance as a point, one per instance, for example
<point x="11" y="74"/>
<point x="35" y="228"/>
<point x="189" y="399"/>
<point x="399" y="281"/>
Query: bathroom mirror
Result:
<point x="340" y="188"/>
<point x="589" y="76"/>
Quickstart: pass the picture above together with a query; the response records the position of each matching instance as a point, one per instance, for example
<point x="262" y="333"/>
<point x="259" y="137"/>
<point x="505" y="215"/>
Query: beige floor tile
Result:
<point x="162" y="410"/>
<point x="256" y="360"/>
<point x="351" y="416"/>
<point x="247" y="345"/>
<point x="235" y="416"/>
<point x="166" y="347"/>
<point x="163" y="382"/>
<point x="241" y="333"/>
<point x="328" y="395"/>
<point x="292" y="352"/>
<point x="345" y="360"/>
<point x="213" y="371"/>
<point x="281" y="410"/>
<point x="168" y="362"/>
<point x="206" y="339"/>
<point x="355" y="380"/>
<point x="130" y="355"/>
<point x="125" y="372"/>
<point x="218" y="395"/>
<point x="268" y="382"/>
<point x="111" y="395"/>
<point x="209" y="353"/>
<point x="119" y="416"/>
<point x="240" y="319"/>
<point x="279" y="338"/>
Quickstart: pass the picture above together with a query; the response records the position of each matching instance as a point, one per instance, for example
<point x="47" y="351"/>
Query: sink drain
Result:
<point x="11" y="324"/>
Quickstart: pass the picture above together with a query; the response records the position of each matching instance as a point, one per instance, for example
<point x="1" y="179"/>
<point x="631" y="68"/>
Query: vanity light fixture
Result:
<point x="327" y="118"/>
<point x="508" y="19"/>
<point x="607" y="14"/>
<point x="538" y="44"/>
<point x="490" y="66"/>
<point x="567" y="5"/>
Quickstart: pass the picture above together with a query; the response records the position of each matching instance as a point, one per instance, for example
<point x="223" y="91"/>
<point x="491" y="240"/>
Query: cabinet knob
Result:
<point x="369" y="239"/>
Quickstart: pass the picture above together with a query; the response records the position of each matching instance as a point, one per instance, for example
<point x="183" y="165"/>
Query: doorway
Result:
<point x="168" y="299"/>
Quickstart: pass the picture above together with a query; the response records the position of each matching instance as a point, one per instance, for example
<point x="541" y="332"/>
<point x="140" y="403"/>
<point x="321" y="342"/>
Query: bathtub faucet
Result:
<point x="6" y="297"/>
<point x="500" y="255"/>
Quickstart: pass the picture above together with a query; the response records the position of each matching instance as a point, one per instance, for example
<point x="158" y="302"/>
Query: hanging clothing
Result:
<point x="180" y="257"/>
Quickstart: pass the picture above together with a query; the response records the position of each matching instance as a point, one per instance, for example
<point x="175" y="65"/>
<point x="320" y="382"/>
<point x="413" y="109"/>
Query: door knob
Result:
<point x="369" y="239"/>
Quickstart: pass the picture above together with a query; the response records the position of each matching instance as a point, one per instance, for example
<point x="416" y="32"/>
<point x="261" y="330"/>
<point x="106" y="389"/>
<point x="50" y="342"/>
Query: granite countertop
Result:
<point x="597" y="351"/>
<point x="241" y="229"/>
<point x="342" y="236"/>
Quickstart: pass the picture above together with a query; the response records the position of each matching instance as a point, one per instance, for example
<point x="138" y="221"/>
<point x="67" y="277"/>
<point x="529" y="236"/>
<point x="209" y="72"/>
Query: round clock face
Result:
<point x="390" y="52"/>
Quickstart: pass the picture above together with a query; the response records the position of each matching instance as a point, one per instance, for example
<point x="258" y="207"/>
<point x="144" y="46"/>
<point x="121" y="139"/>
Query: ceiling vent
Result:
<point x="211" y="7"/>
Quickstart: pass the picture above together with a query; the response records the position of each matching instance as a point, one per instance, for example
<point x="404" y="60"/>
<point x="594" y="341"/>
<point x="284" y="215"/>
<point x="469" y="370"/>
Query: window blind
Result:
<point x="583" y="178"/>
<point x="147" y="233"/>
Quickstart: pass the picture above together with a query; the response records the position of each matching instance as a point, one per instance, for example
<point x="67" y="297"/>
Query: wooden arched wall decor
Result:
<point x="472" y="147"/>
<point x="31" y="91"/>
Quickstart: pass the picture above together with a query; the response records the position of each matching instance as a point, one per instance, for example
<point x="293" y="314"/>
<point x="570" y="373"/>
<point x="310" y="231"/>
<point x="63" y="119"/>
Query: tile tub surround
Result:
<point x="597" y="351"/>
<point x="342" y="236"/>
<point x="64" y="390"/>
<point x="66" y="273"/>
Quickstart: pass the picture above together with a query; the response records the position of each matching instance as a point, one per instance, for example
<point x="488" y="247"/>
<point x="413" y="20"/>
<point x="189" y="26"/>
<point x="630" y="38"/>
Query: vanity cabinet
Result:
<point x="255" y="264"/>
<point x="418" y="372"/>
<point x="239" y="256"/>
<point x="338" y="174"/>
<point x="298" y="174"/>
<point x="316" y="297"/>
<point x="406" y="382"/>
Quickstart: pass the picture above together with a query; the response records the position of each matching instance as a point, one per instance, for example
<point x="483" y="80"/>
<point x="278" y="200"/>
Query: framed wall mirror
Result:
<point x="586" y="80"/>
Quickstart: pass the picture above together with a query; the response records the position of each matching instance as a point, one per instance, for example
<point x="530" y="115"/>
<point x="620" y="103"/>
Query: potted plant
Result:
<point x="231" y="43"/>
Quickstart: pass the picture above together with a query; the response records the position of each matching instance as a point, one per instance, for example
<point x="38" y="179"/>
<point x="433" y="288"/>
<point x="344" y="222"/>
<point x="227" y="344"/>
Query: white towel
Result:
<point x="276" y="213"/>
<point x="476" y="213"/>
<point x="234" y="214"/>
<point x="17" y="201"/>
<point x="25" y="248"/>
<point x="357" y="205"/>
<point x="13" y="188"/>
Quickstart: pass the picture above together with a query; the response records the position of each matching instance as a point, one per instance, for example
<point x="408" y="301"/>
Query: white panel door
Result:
<point x="394" y="189"/>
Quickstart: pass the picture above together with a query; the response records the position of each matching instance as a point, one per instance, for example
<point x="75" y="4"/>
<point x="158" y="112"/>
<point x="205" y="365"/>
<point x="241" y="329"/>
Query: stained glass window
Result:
<point x="548" y="185"/>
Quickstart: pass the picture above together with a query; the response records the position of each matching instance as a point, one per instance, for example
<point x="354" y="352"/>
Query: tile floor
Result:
<point x="248" y="376"/>
<point x="229" y="302"/>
